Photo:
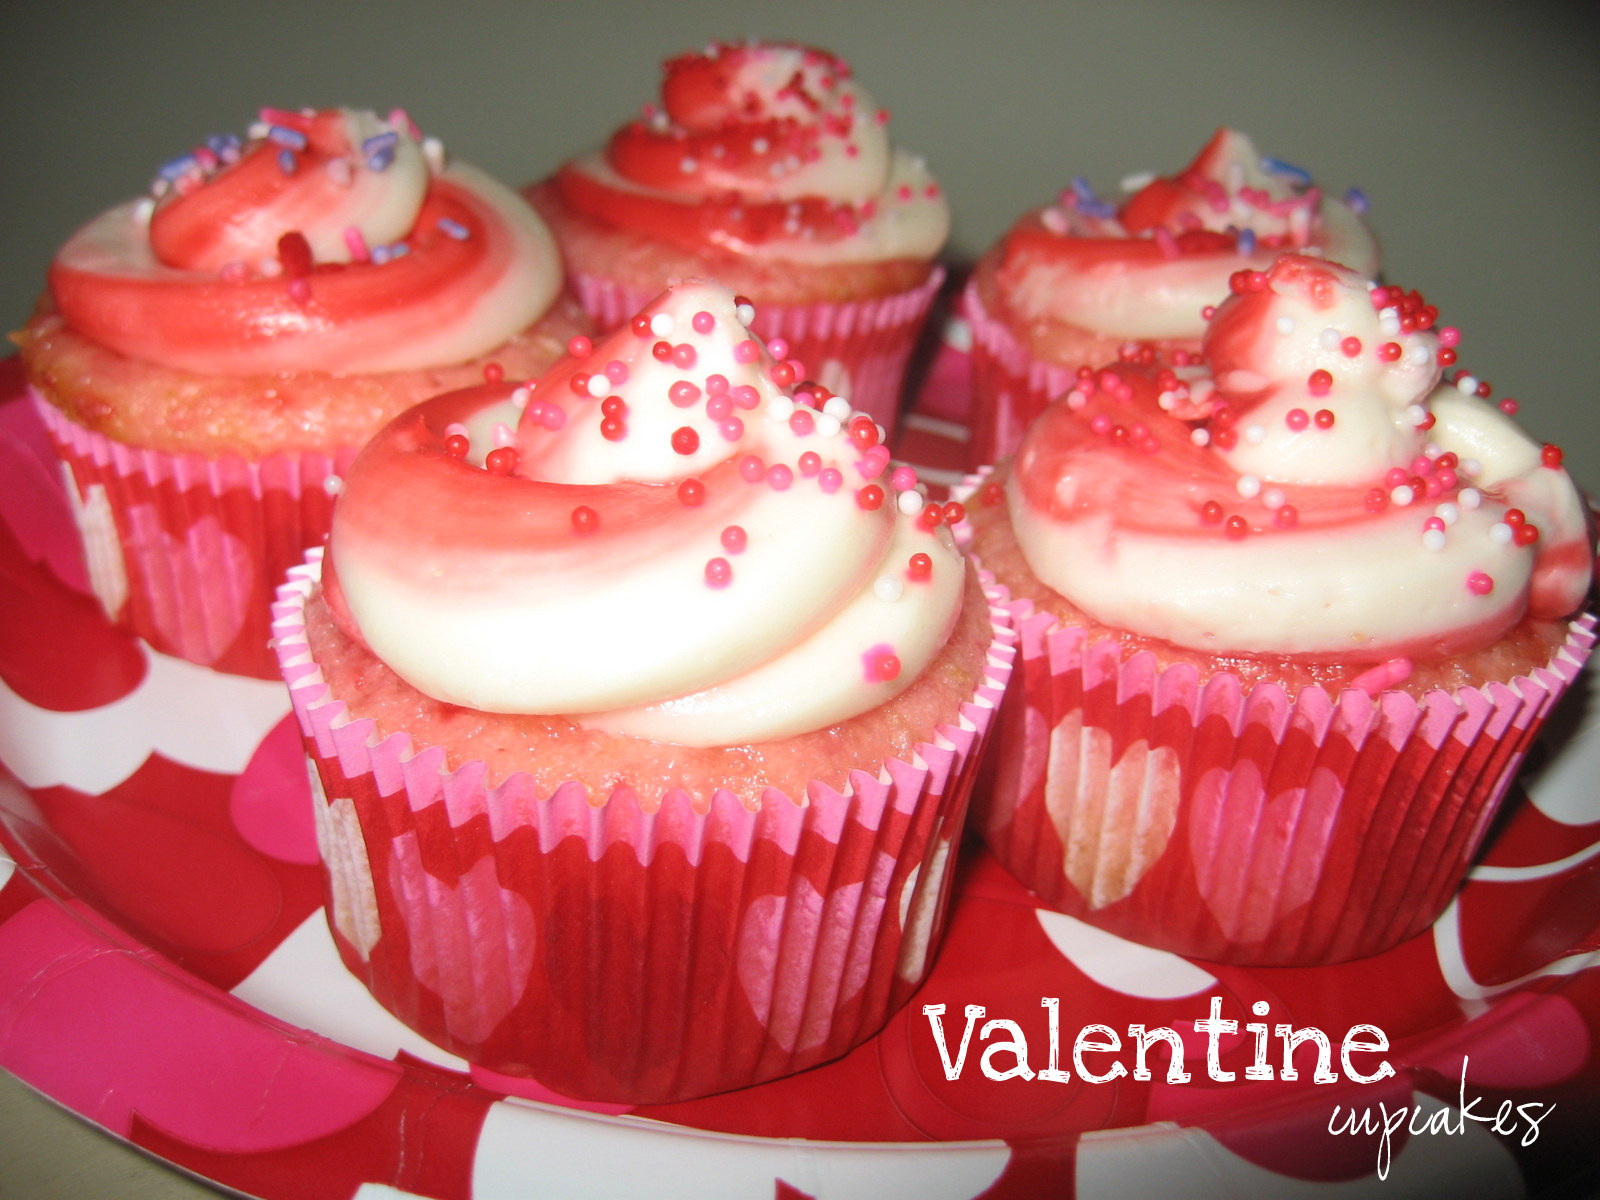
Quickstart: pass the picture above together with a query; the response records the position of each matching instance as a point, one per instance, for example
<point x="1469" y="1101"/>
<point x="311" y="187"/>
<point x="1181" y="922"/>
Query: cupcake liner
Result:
<point x="1241" y="824"/>
<point x="1009" y="386"/>
<point x="616" y="950"/>
<point x="186" y="550"/>
<point x="858" y="349"/>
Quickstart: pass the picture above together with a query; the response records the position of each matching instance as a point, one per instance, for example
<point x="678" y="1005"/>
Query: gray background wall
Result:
<point x="1474" y="128"/>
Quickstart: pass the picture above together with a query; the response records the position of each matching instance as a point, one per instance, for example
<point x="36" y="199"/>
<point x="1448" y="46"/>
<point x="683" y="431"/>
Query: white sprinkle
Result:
<point x="760" y="145"/>
<point x="1433" y="450"/>
<point x="1140" y="179"/>
<point x="1389" y="322"/>
<point x="662" y="324"/>
<point x="1447" y="512"/>
<point x="1416" y="415"/>
<point x="599" y="385"/>
<point x="780" y="408"/>
<point x="1466" y="384"/>
<point x="1469" y="498"/>
<point x="909" y="503"/>
<point x="1420" y="354"/>
<point x="1500" y="533"/>
<point x="1255" y="434"/>
<point x="1055" y="221"/>
<point x="1433" y="539"/>
<point x="520" y="397"/>
<point x="143" y="209"/>
<point x="746" y="313"/>
<point x="1248" y="486"/>
<point x="887" y="587"/>
<point x="433" y="154"/>
<point x="333" y="485"/>
<point x="1285" y="325"/>
<point x="688" y="166"/>
<point x="1403" y="495"/>
<point x="827" y="425"/>
<point x="1274" y="498"/>
<point x="1471" y="466"/>
<point x="1329" y="338"/>
<point x="1164" y="401"/>
<point x="1200" y="437"/>
<point x="838" y="408"/>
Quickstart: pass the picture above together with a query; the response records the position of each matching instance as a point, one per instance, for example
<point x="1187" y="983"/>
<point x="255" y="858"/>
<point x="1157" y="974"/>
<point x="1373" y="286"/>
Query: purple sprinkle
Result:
<point x="287" y="162"/>
<point x="380" y="141"/>
<point x="381" y="159"/>
<point x="1247" y="241"/>
<point x="1278" y="167"/>
<point x="453" y="228"/>
<point x="1357" y="200"/>
<point x="176" y="167"/>
<point x="291" y="138"/>
<point x="381" y="255"/>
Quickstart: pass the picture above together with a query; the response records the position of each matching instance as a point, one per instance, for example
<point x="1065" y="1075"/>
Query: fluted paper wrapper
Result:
<point x="858" y="349"/>
<point x="1247" y="825"/>
<point x="1010" y="387"/>
<point x="187" y="550"/>
<point x="612" y="950"/>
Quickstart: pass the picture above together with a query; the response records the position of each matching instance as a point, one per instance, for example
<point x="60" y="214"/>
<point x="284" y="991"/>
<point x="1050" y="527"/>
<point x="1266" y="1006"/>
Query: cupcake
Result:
<point x="209" y="358"/>
<point x="1079" y="282"/>
<point x="1287" y="628"/>
<point x="645" y="704"/>
<point x="769" y="169"/>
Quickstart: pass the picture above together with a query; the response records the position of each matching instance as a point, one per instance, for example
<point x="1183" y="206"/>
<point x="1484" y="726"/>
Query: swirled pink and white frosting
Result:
<point x="1317" y="490"/>
<point x="1148" y="268"/>
<point x="764" y="148"/>
<point x="661" y="539"/>
<point x="328" y="241"/>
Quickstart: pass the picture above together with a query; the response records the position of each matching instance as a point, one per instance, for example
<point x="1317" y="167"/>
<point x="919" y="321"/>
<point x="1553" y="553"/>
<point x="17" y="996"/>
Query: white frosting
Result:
<point x="1119" y="532"/>
<point x="476" y="589"/>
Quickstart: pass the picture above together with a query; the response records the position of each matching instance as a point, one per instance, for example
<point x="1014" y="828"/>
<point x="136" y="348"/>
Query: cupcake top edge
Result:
<point x="763" y="148"/>
<point x="286" y="250"/>
<point x="1317" y="488"/>
<point x="1146" y="267"/>
<point x="669" y="536"/>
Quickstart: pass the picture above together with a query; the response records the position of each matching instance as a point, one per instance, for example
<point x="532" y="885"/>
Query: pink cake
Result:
<point x="207" y="358"/>
<point x="645" y="703"/>
<point x="766" y="167"/>
<point x="1289" y="623"/>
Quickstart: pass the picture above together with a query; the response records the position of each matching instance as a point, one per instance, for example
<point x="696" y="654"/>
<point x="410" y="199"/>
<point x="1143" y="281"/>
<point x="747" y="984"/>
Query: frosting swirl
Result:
<point x="764" y="148"/>
<point x="329" y="241"/>
<point x="1320" y="492"/>
<point x="665" y="542"/>
<point x="1148" y="269"/>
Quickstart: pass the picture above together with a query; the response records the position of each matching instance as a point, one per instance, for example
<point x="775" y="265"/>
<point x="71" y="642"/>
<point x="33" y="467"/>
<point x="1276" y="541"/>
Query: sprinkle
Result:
<point x="828" y="425"/>
<point x="1447" y="513"/>
<point x="1235" y="527"/>
<point x="801" y="423"/>
<point x="662" y="324"/>
<point x="1287" y="516"/>
<point x="1469" y="497"/>
<point x="778" y="348"/>
<point x="734" y="539"/>
<point x="752" y="469"/>
<point x="1403" y="495"/>
<point x="1247" y="245"/>
<point x="1285" y="325"/>
<point x="703" y="322"/>
<point x="1211" y="512"/>
<point x="810" y="461"/>
<point x="780" y="477"/>
<point x="500" y="461"/>
<point x="904" y="478"/>
<point x="283" y="136"/>
<point x="685" y="440"/>
<point x="830" y="480"/>
<point x="1419" y="417"/>
<point x="731" y="429"/>
<point x="503" y="434"/>
<point x="1350" y="347"/>
<point x="1509" y="406"/>
<point x="747" y="351"/>
<point x="1551" y="455"/>
<point x="1383" y="676"/>
<point x="356" y="244"/>
<point x="919" y="568"/>
<point x="780" y="408"/>
<point x="454" y="229"/>
<point x="1466" y="384"/>
<point x="745" y="396"/>
<point x="909" y="503"/>
<point x="1249" y="486"/>
<point x="1500" y="533"/>
<point x="719" y="573"/>
<point x="287" y="162"/>
<point x="1255" y="434"/>
<point x="580" y="346"/>
<point x="745" y="311"/>
<point x="1357" y="200"/>
<point x="691" y="493"/>
<point x="1297" y="419"/>
<point x="596" y="385"/>
<point x="1433" y="539"/>
<point x="870" y="498"/>
<point x="683" y="393"/>
<point x="1319" y="382"/>
<point x="1200" y="437"/>
<point x="888" y="588"/>
<point x="1480" y="584"/>
<point x="1328" y="339"/>
<point x="880" y="664"/>
<point x="456" y="445"/>
<point x="1277" y="166"/>
<point x="585" y="519"/>
<point x="954" y="512"/>
<point x="1273" y="498"/>
<point x="1324" y="418"/>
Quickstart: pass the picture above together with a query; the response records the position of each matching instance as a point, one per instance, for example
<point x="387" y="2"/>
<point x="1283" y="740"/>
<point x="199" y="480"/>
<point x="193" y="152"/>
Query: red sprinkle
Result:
<point x="661" y="351"/>
<point x="1551" y="455"/>
<point x="1389" y="352"/>
<point x="1324" y="418"/>
<point x="1447" y="357"/>
<point x="863" y="432"/>
<point x="684" y="356"/>
<point x="810" y="463"/>
<point x="692" y="493"/>
<point x="641" y="326"/>
<point x="581" y="347"/>
<point x="1525" y="535"/>
<point x="992" y="494"/>
<point x="685" y="440"/>
<point x="1377" y="500"/>
<point x="456" y="445"/>
<point x="1319" y="382"/>
<point x="930" y="517"/>
<point x="1287" y="517"/>
<point x="954" y="513"/>
<point x="1509" y="406"/>
<point x="1515" y="517"/>
<point x="1235" y="527"/>
<point x="585" y="519"/>
<point x="919" y="568"/>
<point x="1351" y="346"/>
<point x="1480" y="584"/>
<point x="493" y="372"/>
<point x="870" y="497"/>
<point x="1211" y="512"/>
<point x="500" y="461"/>
<point x="782" y="374"/>
<point x="752" y="469"/>
<point x="613" y="406"/>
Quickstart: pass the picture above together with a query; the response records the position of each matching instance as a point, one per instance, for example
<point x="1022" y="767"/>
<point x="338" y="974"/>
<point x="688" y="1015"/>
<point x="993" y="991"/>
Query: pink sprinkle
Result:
<point x="553" y="416"/>
<point x="1480" y="584"/>
<point x="356" y="244"/>
<point x="747" y="351"/>
<point x="1287" y="517"/>
<point x="778" y="348"/>
<point x="1101" y="423"/>
<point x="718" y="408"/>
<point x="731" y="430"/>
<point x="904" y="478"/>
<point x="745" y="396"/>
<point x="1394" y="477"/>
<point x="1297" y="419"/>
<point x="1351" y="346"/>
<point x="580" y="347"/>
<point x="810" y="463"/>
<point x="719" y="573"/>
<point x="880" y="664"/>
<point x="1319" y="382"/>
<point x="683" y="393"/>
<point x="779" y="477"/>
<point x="1434" y="523"/>
<point x="716" y="384"/>
<point x="752" y="469"/>
<point x="1422" y="465"/>
<point x="801" y="423"/>
<point x="734" y="539"/>
<point x="1449" y="337"/>
<point x="617" y="371"/>
<point x="300" y="290"/>
<point x="683" y="356"/>
<point x="830" y="480"/>
<point x="703" y="322"/>
<point x="1383" y="676"/>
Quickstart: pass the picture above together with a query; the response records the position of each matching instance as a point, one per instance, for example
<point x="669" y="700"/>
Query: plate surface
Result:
<point x="166" y="973"/>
